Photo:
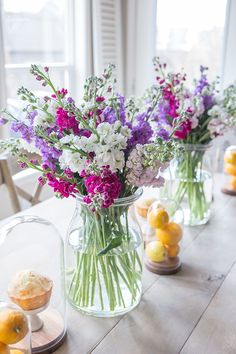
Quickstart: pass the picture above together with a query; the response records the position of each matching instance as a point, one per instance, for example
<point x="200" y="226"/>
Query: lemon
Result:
<point x="230" y="157"/>
<point x="172" y="251"/>
<point x="156" y="251"/>
<point x="158" y="218"/>
<point x="4" y="349"/>
<point x="233" y="182"/>
<point x="230" y="169"/>
<point x="170" y="234"/>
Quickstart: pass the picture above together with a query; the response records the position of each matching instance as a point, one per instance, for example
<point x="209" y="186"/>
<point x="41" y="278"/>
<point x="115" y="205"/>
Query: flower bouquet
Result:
<point x="101" y="152"/>
<point x="209" y="115"/>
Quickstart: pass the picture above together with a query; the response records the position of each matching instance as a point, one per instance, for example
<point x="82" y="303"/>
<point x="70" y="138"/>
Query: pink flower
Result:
<point x="183" y="130"/>
<point x="60" y="186"/>
<point x="66" y="121"/>
<point x="103" y="188"/>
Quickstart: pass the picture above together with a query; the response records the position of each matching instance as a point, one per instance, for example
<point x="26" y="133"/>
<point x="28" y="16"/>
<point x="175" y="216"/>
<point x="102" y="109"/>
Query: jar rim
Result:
<point x="119" y="201"/>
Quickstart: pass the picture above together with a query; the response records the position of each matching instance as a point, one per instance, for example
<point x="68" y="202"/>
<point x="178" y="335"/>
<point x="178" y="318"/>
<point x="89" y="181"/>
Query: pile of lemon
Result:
<point x="168" y="236"/>
<point x="230" y="164"/>
<point x="13" y="328"/>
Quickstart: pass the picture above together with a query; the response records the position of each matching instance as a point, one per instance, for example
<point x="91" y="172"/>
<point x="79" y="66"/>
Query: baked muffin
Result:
<point x="30" y="290"/>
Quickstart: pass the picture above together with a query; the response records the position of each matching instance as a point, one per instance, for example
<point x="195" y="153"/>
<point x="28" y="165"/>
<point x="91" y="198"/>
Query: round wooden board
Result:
<point x="228" y="190"/>
<point x="171" y="266"/>
<point x="51" y="335"/>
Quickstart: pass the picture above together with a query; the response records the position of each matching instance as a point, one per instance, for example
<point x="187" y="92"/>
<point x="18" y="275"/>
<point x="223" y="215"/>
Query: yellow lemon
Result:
<point x="230" y="157"/>
<point x="13" y="326"/>
<point x="158" y="218"/>
<point x="170" y="234"/>
<point x="15" y="351"/>
<point x="156" y="251"/>
<point x="172" y="251"/>
<point x="143" y="205"/>
<point x="233" y="182"/>
<point x="230" y="169"/>
<point x="4" y="349"/>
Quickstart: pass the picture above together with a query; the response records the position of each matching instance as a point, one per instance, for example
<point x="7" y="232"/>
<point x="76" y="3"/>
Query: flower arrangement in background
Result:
<point x="209" y="115"/>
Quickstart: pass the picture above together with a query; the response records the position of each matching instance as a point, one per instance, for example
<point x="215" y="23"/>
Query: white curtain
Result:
<point x="2" y="73"/>
<point x="140" y="39"/>
<point x="229" y="49"/>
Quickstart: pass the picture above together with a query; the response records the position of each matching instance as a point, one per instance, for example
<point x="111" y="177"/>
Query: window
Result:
<point x="190" y="33"/>
<point x="35" y="32"/>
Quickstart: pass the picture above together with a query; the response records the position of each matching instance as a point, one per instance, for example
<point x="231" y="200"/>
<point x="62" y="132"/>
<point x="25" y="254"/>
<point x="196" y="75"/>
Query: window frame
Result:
<point x="68" y="66"/>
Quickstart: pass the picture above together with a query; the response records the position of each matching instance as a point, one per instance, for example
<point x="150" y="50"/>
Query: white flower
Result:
<point x="44" y="117"/>
<point x="125" y="131"/>
<point x="104" y="129"/>
<point x="86" y="144"/>
<point x="67" y="139"/>
<point x="114" y="159"/>
<point x="72" y="160"/>
<point x="29" y="147"/>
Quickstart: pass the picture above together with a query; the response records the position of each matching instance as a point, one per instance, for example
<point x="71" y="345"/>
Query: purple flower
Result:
<point x="109" y="115"/>
<point x="208" y="101"/>
<point x="203" y="82"/>
<point x="141" y="133"/>
<point x="122" y="108"/>
<point x="27" y="133"/>
<point x="50" y="155"/>
<point x="3" y="121"/>
<point x="164" y="134"/>
<point x="31" y="116"/>
<point x="70" y="100"/>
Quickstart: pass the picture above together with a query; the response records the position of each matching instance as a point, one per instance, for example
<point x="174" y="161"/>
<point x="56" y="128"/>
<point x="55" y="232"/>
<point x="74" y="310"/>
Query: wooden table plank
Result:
<point x="215" y="332"/>
<point x="171" y="308"/>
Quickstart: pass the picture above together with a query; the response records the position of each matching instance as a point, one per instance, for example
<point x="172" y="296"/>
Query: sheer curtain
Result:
<point x="139" y="46"/>
<point x="2" y="74"/>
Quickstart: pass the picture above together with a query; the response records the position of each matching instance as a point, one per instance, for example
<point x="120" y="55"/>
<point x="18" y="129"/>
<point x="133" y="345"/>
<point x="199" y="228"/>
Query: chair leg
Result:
<point x="35" y="199"/>
<point x="7" y="179"/>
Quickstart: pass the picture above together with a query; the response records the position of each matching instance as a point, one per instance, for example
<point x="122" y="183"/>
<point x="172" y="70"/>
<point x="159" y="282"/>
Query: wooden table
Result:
<point x="192" y="312"/>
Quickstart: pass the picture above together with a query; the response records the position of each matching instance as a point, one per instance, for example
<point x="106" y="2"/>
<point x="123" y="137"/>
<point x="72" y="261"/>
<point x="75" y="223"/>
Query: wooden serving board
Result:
<point x="51" y="335"/>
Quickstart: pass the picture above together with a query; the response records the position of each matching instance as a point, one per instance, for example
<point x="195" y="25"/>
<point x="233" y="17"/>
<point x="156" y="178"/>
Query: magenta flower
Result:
<point x="60" y="186"/>
<point x="102" y="188"/>
<point x="66" y="121"/>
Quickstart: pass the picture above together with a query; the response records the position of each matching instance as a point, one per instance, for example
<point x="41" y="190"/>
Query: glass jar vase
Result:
<point x="189" y="182"/>
<point x="104" y="259"/>
<point x="163" y="244"/>
<point x="32" y="256"/>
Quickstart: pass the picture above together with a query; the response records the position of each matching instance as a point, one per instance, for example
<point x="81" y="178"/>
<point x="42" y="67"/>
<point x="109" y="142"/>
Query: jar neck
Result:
<point x="196" y="147"/>
<point x="125" y="201"/>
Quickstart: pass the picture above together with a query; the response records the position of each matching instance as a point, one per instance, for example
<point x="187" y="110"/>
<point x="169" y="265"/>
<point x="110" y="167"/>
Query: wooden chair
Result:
<point x="13" y="189"/>
<point x="6" y="178"/>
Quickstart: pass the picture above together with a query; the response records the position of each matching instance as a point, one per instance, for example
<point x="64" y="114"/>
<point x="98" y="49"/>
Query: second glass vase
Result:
<point x="190" y="183"/>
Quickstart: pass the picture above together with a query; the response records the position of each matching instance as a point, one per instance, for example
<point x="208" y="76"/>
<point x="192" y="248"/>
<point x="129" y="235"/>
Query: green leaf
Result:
<point x="115" y="242"/>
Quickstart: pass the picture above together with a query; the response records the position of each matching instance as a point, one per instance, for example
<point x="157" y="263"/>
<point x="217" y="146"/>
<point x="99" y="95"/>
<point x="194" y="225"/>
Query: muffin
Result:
<point x="30" y="290"/>
<point x="143" y="205"/>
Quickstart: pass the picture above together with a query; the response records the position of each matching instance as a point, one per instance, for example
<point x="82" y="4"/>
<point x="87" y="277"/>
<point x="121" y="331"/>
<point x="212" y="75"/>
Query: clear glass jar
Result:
<point x="189" y="181"/>
<point x="104" y="259"/>
<point x="163" y="245"/>
<point x="14" y="330"/>
<point x="32" y="253"/>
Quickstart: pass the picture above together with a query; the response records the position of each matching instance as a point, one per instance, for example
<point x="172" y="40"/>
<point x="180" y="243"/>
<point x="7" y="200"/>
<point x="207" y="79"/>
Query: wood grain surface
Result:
<point x="191" y="312"/>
